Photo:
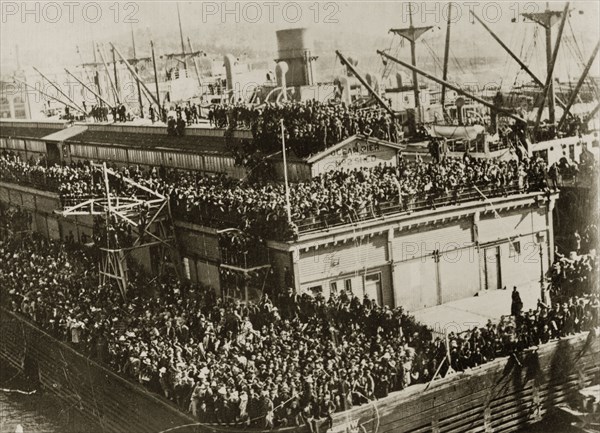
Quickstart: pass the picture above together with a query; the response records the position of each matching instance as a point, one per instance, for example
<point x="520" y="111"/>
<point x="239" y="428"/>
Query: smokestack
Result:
<point x="295" y="48"/>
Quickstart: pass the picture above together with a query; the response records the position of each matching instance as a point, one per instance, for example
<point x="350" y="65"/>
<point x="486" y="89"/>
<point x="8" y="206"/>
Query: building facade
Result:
<point x="430" y="257"/>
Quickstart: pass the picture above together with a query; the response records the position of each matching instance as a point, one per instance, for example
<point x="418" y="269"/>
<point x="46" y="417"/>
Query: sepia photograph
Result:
<point x="365" y="216"/>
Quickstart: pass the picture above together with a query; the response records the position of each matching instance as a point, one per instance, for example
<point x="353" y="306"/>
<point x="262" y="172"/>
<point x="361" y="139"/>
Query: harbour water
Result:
<point x="36" y="413"/>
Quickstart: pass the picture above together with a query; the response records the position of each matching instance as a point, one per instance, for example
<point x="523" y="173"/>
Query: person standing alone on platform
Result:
<point x="517" y="303"/>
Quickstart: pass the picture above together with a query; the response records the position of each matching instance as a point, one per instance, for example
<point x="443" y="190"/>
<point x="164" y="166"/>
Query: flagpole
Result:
<point x="285" y="175"/>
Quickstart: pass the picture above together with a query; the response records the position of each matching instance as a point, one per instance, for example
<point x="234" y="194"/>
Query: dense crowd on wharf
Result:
<point x="310" y="126"/>
<point x="572" y="276"/>
<point x="288" y="360"/>
<point x="260" y="208"/>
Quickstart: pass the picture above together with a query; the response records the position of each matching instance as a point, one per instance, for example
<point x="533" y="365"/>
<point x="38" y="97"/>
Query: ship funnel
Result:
<point x="295" y="48"/>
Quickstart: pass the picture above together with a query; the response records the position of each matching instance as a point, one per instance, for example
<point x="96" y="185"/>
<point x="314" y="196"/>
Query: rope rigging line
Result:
<point x="523" y="53"/>
<point x="576" y="45"/>
<point x="386" y="66"/>
<point x="434" y="56"/>
<point x="456" y="61"/>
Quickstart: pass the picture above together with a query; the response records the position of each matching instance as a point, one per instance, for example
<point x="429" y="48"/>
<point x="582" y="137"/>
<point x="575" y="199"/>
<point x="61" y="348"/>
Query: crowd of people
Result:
<point x="185" y="114"/>
<point x="261" y="208"/>
<point x="287" y="360"/>
<point x="310" y="126"/>
<point x="575" y="276"/>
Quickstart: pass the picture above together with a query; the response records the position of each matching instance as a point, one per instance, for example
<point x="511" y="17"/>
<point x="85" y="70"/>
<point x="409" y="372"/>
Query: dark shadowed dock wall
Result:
<point x="108" y="401"/>
<point x="500" y="396"/>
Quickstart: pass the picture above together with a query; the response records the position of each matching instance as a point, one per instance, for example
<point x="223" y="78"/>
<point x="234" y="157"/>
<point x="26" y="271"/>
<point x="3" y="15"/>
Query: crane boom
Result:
<point x="451" y="86"/>
<point x="579" y="84"/>
<point x="364" y="83"/>
<point x="89" y="88"/>
<point x="77" y="107"/>
<point x="135" y="74"/>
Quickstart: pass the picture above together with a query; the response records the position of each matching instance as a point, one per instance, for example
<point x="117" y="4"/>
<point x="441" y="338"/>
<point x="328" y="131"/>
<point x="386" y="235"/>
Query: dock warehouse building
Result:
<point x="416" y="258"/>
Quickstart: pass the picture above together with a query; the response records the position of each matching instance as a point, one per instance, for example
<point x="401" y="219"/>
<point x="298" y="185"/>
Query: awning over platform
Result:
<point x="201" y="144"/>
<point x="65" y="134"/>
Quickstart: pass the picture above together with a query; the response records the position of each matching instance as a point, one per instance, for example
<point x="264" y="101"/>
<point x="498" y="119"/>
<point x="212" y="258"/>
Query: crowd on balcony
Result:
<point x="288" y="360"/>
<point x="261" y="208"/>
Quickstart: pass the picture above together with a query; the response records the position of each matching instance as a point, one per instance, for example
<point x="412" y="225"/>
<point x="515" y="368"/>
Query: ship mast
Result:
<point x="97" y="74"/>
<point x="548" y="90"/>
<point x="139" y="90"/>
<point x="87" y="74"/>
<point x="117" y="89"/>
<point x="547" y="19"/>
<point x="135" y="74"/>
<point x="411" y="34"/>
<point x="159" y="108"/>
<point x="112" y="85"/>
<point x="183" y="54"/>
<point x="181" y="37"/>
<point x="446" y="55"/>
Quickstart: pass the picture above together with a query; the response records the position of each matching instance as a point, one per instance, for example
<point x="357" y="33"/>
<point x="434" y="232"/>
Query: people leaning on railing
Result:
<point x="291" y="359"/>
<point x="334" y="197"/>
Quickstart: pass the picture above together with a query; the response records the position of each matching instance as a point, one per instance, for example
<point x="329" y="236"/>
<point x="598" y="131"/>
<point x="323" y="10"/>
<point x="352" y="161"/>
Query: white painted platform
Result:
<point x="467" y="313"/>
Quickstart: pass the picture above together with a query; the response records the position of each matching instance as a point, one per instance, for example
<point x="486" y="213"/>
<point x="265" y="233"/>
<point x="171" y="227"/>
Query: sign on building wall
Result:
<point x="356" y="152"/>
